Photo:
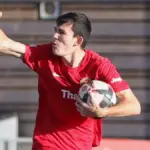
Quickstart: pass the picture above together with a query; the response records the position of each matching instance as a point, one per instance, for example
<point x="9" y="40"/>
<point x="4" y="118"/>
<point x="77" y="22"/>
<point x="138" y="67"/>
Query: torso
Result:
<point x="62" y="82"/>
<point x="58" y="124"/>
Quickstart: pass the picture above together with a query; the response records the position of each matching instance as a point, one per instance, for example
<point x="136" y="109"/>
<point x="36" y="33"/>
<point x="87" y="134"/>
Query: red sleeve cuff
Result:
<point x="27" y="54"/>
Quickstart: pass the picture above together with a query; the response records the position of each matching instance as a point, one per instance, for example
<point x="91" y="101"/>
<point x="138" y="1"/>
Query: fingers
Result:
<point x="79" y="105"/>
<point x="1" y="14"/>
<point x="80" y="109"/>
<point x="3" y="37"/>
<point x="77" y="97"/>
<point x="80" y="102"/>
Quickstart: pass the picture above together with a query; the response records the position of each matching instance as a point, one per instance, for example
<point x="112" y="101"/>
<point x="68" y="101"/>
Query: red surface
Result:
<point x="124" y="144"/>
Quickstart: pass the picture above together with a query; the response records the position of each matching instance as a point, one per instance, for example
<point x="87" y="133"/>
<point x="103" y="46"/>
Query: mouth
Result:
<point x="54" y="44"/>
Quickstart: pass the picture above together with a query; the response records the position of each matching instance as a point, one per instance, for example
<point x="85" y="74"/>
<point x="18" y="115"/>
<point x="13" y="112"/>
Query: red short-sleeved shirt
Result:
<point x="58" y="124"/>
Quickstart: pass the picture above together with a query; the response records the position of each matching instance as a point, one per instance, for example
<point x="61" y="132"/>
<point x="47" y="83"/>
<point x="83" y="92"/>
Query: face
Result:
<point x="63" y="40"/>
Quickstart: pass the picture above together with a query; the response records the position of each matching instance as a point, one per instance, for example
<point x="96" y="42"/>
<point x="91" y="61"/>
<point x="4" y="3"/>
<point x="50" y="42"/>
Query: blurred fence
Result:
<point x="22" y="143"/>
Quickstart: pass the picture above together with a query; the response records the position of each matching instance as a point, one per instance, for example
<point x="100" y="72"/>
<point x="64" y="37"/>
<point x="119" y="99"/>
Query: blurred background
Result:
<point x="121" y="32"/>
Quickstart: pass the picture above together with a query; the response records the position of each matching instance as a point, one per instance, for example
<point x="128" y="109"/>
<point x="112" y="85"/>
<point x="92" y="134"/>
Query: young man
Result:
<point x="63" y="121"/>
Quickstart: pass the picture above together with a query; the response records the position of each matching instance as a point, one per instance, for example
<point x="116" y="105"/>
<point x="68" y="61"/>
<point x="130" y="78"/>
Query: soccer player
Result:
<point x="63" y="121"/>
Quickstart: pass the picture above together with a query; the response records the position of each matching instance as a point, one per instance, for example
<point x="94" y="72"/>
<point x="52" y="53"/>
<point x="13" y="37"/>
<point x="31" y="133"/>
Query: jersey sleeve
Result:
<point x="108" y="72"/>
<point x="36" y="53"/>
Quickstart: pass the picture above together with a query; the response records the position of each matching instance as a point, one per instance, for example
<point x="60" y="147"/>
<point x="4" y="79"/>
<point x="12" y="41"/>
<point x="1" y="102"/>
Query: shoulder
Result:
<point x="96" y="58"/>
<point x="38" y="52"/>
<point x="42" y="49"/>
<point x="40" y="46"/>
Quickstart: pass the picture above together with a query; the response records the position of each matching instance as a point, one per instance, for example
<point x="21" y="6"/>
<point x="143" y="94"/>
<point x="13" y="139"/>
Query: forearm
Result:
<point x="128" y="105"/>
<point x="11" y="53"/>
<point x="122" y="109"/>
<point x="12" y="46"/>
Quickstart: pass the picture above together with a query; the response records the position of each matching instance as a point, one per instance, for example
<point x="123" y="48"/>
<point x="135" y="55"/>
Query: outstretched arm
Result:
<point x="10" y="47"/>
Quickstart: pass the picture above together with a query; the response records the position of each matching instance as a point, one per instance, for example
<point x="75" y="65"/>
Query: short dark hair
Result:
<point x="81" y="25"/>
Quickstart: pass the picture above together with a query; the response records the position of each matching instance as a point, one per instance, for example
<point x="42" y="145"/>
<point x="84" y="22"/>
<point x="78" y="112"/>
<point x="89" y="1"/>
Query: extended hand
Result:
<point x="1" y="14"/>
<point x="3" y="37"/>
<point x="10" y="47"/>
<point x="89" y="110"/>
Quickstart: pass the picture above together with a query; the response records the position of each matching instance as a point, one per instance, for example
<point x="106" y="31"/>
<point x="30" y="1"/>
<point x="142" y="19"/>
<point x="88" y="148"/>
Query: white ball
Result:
<point x="103" y="93"/>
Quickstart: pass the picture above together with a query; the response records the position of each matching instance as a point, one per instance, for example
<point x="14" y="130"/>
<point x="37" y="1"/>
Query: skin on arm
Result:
<point x="128" y="105"/>
<point x="10" y="47"/>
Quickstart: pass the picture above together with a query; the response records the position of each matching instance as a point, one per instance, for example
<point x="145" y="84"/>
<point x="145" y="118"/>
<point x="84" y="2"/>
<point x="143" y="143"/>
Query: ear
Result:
<point x="78" y="41"/>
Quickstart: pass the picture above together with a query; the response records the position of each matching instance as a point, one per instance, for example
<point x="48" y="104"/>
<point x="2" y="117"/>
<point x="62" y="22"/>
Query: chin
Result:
<point x="56" y="52"/>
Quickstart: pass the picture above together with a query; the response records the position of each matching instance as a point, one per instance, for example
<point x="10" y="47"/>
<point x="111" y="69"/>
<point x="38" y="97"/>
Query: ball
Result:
<point x="103" y="93"/>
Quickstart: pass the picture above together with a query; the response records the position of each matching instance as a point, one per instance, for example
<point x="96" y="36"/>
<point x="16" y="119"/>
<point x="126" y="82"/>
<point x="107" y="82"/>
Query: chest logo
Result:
<point x="57" y="75"/>
<point x="67" y="94"/>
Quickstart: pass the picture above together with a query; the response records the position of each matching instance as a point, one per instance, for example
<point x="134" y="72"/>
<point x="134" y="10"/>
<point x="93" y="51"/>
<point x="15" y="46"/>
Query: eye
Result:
<point x="60" y="31"/>
<point x="55" y="29"/>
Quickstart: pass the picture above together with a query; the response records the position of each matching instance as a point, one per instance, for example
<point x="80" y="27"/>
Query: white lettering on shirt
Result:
<point x="116" y="80"/>
<point x="66" y="94"/>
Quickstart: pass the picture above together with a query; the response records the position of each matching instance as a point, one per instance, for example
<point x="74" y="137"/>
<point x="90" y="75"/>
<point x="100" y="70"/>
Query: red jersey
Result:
<point x="59" y="126"/>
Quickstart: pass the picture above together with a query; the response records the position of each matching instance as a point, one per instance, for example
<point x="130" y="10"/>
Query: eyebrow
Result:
<point x="60" y="30"/>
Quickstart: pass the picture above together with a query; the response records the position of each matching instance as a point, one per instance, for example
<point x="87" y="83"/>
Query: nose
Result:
<point x="56" y="35"/>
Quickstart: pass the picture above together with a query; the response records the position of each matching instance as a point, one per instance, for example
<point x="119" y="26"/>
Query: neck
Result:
<point x="74" y="59"/>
